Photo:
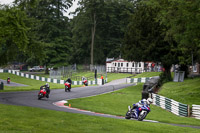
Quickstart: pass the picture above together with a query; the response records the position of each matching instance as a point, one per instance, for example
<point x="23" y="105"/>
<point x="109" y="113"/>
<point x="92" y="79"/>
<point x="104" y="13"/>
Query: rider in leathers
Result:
<point x="47" y="88"/>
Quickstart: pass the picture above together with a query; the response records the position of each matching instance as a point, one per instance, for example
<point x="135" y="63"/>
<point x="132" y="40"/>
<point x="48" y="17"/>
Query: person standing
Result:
<point x="102" y="79"/>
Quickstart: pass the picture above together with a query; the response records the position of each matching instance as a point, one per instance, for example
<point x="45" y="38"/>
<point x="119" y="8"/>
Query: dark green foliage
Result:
<point x="111" y="20"/>
<point x="13" y="33"/>
<point x="164" y="31"/>
<point x="144" y="39"/>
<point x="50" y="33"/>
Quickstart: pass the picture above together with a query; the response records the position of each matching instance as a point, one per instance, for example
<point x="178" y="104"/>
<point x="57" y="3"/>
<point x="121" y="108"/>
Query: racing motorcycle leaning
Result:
<point x="138" y="113"/>
<point x="85" y="82"/>
<point x="43" y="93"/>
<point x="8" y="80"/>
<point x="67" y="87"/>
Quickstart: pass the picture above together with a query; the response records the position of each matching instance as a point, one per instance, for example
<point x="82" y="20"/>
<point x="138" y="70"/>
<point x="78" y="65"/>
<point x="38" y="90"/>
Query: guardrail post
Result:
<point x="189" y="111"/>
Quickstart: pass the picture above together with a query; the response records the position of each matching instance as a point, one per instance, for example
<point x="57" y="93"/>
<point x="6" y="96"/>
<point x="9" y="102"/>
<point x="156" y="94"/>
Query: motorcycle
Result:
<point x="138" y="113"/>
<point x="8" y="81"/>
<point x="67" y="87"/>
<point x="42" y="93"/>
<point x="85" y="82"/>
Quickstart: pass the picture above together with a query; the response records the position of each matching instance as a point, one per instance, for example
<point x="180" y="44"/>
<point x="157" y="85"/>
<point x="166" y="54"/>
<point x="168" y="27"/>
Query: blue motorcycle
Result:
<point x="138" y="113"/>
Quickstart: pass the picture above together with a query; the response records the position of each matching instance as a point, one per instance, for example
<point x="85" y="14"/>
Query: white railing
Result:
<point x="171" y="105"/>
<point x="196" y="111"/>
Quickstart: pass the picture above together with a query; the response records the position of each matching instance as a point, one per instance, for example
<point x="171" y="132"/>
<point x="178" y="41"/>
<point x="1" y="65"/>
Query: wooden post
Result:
<point x="189" y="111"/>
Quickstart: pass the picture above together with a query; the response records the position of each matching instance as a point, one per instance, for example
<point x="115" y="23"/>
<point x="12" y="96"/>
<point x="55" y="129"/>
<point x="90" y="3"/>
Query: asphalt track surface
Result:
<point x="57" y="96"/>
<point x="11" y="83"/>
<point x="29" y="98"/>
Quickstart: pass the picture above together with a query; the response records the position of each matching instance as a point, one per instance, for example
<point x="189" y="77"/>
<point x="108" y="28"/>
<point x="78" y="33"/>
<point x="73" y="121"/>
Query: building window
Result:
<point x="136" y="64"/>
<point x="127" y="65"/>
<point x="133" y="64"/>
<point x="118" y="64"/>
<point x="115" y="64"/>
<point x="121" y="64"/>
<point x="139" y="64"/>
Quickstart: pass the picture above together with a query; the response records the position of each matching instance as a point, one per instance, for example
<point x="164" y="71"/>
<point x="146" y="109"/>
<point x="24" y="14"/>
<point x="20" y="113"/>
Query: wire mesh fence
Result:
<point x="76" y="72"/>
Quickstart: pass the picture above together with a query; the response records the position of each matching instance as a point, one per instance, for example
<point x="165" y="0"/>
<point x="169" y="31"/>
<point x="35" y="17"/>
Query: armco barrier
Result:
<point x="98" y="81"/>
<point x="196" y="111"/>
<point x="171" y="105"/>
<point x="137" y="80"/>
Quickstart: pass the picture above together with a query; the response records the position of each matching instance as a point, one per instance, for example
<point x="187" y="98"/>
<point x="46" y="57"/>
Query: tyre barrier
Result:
<point x="137" y="80"/>
<point x="171" y="105"/>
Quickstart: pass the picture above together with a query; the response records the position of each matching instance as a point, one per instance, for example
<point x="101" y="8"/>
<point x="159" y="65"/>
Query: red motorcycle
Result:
<point x="42" y="93"/>
<point x="67" y="87"/>
<point x="85" y="82"/>
<point x="8" y="80"/>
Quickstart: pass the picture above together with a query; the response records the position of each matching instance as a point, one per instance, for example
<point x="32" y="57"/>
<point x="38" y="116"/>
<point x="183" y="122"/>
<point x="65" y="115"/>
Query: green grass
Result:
<point x="147" y="74"/>
<point x="19" y="119"/>
<point x="187" y="92"/>
<point x="29" y="119"/>
<point x="114" y="76"/>
<point x="90" y="75"/>
<point x="112" y="103"/>
<point x="32" y="84"/>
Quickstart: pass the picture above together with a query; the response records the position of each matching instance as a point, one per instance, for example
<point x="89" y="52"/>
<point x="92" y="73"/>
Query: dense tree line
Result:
<point x="37" y="32"/>
<point x="164" y="31"/>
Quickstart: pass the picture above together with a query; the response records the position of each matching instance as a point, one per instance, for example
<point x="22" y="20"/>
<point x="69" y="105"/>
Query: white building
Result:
<point x="123" y="66"/>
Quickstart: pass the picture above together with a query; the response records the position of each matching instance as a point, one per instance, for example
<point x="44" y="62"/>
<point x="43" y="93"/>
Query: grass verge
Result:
<point x="116" y="103"/>
<point x="19" y="119"/>
<point x="187" y="92"/>
<point x="147" y="74"/>
<point x="32" y="84"/>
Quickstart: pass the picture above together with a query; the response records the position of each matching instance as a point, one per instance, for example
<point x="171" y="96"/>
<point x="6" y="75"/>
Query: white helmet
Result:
<point x="149" y="101"/>
<point x="47" y="84"/>
<point x="143" y="101"/>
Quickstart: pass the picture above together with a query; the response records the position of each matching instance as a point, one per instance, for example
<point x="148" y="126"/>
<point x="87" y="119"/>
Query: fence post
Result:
<point x="189" y="111"/>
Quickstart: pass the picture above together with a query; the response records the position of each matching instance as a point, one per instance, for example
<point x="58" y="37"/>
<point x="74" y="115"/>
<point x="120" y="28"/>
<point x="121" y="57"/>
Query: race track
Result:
<point x="29" y="98"/>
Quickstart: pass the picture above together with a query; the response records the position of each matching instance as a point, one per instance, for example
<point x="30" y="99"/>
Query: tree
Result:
<point x="182" y="21"/>
<point x="145" y="39"/>
<point x="50" y="31"/>
<point x="98" y="29"/>
<point x="13" y="33"/>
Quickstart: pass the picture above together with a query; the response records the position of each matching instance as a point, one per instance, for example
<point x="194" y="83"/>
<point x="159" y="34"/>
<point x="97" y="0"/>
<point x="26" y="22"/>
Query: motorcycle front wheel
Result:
<point x="128" y="115"/>
<point x="66" y="89"/>
<point x="40" y="96"/>
<point x="142" y="116"/>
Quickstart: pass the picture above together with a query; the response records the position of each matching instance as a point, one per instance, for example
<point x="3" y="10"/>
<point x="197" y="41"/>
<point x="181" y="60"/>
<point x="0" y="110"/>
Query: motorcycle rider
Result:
<point x="47" y="88"/>
<point x="69" y="81"/>
<point x="83" y="81"/>
<point x="143" y="102"/>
